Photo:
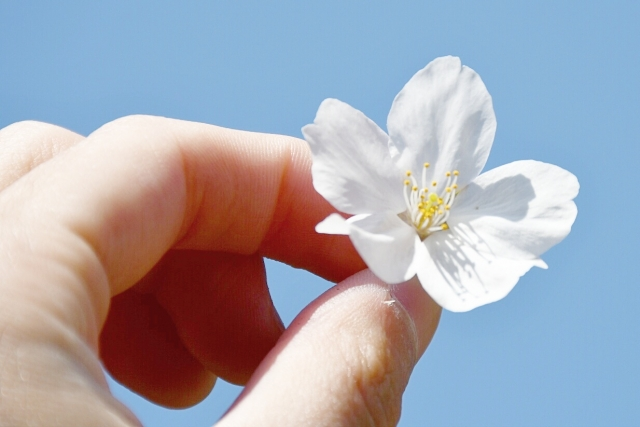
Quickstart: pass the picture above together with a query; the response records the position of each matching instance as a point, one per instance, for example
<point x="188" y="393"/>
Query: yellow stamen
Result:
<point x="428" y="207"/>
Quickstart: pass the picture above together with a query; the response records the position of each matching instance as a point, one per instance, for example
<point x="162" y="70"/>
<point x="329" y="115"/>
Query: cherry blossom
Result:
<point x="417" y="202"/>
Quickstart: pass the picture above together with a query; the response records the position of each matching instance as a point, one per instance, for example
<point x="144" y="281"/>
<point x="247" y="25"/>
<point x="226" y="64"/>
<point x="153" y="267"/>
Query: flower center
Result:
<point x="427" y="210"/>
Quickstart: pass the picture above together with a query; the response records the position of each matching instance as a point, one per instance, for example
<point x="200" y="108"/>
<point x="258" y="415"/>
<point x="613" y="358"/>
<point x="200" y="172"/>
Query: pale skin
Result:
<point x="140" y="247"/>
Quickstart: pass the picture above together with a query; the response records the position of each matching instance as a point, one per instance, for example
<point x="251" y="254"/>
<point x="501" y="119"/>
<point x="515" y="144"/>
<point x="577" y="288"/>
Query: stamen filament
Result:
<point x="406" y="197"/>
<point x="428" y="210"/>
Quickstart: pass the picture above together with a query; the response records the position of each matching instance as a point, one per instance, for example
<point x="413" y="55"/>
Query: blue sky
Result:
<point x="562" y="349"/>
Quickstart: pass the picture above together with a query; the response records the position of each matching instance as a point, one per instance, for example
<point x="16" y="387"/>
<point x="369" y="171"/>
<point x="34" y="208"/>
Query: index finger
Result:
<point x="141" y="185"/>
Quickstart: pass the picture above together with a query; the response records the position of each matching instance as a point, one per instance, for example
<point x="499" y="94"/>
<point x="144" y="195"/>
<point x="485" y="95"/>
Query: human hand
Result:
<point x="142" y="245"/>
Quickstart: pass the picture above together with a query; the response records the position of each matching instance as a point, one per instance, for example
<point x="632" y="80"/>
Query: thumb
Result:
<point x="344" y="361"/>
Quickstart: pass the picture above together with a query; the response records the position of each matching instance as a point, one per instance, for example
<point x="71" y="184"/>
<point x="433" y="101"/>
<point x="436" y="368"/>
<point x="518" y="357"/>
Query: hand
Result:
<point x="142" y="246"/>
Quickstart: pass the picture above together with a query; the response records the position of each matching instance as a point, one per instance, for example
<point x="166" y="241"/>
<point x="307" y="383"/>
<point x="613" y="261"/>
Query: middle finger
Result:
<point x="25" y="145"/>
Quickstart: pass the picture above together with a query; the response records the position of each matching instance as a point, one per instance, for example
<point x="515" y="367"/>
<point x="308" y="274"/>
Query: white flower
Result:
<point x="418" y="202"/>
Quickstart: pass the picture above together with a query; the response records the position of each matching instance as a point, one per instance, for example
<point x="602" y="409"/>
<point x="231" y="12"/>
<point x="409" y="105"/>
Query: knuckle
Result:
<point x="26" y="144"/>
<point x="375" y="406"/>
<point x="131" y="123"/>
<point x="26" y="129"/>
<point x="378" y="391"/>
<point x="380" y="372"/>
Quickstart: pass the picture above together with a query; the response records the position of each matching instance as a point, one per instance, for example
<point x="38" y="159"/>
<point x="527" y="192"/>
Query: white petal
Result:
<point x="333" y="224"/>
<point x="352" y="168"/>
<point x="518" y="210"/>
<point x="460" y="277"/>
<point x="386" y="244"/>
<point x="444" y="116"/>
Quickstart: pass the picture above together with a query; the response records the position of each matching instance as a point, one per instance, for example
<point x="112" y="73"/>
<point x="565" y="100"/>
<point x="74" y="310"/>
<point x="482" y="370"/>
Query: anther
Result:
<point x="408" y="173"/>
<point x="434" y="183"/>
<point x="406" y="182"/>
<point x="448" y="174"/>
<point x="456" y="173"/>
<point x="426" y="165"/>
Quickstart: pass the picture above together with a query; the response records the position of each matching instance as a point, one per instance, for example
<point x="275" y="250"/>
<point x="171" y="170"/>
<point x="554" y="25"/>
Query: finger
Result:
<point x="138" y="327"/>
<point x="25" y="145"/>
<point x="139" y="185"/>
<point x="208" y="187"/>
<point x="344" y="361"/>
<point x="220" y="311"/>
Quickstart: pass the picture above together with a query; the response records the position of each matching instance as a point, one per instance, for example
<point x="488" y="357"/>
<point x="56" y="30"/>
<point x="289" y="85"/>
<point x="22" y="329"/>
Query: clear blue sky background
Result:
<point x="563" y="348"/>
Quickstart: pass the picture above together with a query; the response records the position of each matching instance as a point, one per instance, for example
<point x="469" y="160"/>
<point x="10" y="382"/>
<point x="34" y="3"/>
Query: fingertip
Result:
<point x="346" y="359"/>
